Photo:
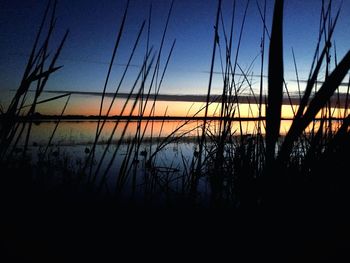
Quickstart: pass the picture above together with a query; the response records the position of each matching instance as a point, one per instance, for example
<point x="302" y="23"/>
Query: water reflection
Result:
<point x="83" y="132"/>
<point x="169" y="172"/>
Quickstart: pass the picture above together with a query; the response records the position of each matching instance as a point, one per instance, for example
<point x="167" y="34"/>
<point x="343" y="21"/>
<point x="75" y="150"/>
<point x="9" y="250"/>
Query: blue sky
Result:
<point x="94" y="24"/>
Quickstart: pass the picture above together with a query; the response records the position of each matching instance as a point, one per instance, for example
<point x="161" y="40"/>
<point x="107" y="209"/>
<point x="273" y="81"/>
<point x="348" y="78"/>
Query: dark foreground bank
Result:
<point x="42" y="228"/>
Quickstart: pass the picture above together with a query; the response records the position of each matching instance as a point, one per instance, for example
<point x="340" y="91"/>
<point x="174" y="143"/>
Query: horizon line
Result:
<point x="75" y="117"/>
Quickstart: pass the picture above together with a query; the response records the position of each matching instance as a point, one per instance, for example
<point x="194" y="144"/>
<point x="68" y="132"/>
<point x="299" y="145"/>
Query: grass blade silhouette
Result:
<point x="319" y="101"/>
<point x="275" y="82"/>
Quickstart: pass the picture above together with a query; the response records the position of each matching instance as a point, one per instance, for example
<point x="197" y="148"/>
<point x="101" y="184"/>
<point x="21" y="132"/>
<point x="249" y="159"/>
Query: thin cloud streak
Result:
<point x="242" y="99"/>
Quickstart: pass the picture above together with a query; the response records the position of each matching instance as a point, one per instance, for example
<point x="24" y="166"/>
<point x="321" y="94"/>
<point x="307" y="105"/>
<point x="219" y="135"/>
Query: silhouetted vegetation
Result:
<point x="304" y="172"/>
<point x="241" y="169"/>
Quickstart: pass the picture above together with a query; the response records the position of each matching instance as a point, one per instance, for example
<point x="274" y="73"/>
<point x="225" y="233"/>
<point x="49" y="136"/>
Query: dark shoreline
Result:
<point x="48" y="118"/>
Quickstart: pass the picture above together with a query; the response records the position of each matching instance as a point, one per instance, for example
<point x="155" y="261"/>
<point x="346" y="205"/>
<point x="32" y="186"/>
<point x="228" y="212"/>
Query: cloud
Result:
<point x="243" y="99"/>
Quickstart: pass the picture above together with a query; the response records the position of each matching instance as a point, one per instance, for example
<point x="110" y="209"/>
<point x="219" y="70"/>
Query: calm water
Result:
<point x="73" y="139"/>
<point x="83" y="132"/>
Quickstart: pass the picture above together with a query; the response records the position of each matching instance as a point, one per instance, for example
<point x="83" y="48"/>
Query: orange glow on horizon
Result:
<point x="88" y="105"/>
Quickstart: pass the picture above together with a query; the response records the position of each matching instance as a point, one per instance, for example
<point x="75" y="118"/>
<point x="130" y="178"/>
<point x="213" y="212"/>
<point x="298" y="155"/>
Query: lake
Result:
<point x="176" y="144"/>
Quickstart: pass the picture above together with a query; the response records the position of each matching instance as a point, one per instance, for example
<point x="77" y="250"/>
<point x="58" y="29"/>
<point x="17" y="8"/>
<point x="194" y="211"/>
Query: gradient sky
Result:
<point x="94" y="24"/>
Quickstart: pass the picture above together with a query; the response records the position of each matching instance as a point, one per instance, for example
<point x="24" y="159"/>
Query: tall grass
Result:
<point x="139" y="100"/>
<point x="39" y="68"/>
<point x="275" y="82"/>
<point x="238" y="169"/>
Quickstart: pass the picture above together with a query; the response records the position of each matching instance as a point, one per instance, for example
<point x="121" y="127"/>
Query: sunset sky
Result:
<point x="94" y="25"/>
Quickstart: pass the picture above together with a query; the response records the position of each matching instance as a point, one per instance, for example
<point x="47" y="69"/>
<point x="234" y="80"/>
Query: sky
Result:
<point x="94" y="25"/>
